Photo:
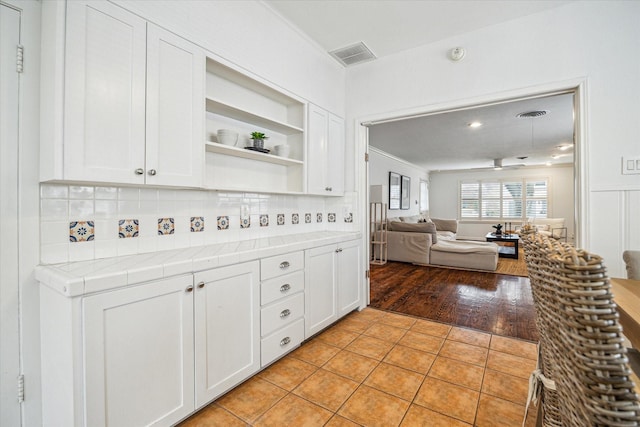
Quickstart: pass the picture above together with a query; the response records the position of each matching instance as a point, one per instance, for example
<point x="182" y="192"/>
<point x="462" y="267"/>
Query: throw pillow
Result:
<point x="446" y="224"/>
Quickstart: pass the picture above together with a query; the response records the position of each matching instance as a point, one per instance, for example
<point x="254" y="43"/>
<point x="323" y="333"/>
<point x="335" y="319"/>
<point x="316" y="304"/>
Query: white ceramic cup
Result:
<point x="227" y="137"/>
<point x="281" y="150"/>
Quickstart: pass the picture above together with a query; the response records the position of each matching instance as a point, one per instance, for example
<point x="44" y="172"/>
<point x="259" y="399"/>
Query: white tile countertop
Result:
<point x="85" y="277"/>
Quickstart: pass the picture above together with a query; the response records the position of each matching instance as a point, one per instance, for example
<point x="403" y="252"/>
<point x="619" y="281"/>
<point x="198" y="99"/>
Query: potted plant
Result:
<point x="258" y="139"/>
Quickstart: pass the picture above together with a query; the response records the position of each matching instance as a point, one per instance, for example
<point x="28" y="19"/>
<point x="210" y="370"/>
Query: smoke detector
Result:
<point x="353" y="54"/>
<point x="532" y="114"/>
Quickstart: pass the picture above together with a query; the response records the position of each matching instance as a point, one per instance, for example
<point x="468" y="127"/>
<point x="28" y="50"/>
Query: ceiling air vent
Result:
<point x="353" y="54"/>
<point x="532" y="114"/>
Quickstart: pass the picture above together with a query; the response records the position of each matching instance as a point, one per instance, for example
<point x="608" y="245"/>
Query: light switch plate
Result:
<point x="630" y="165"/>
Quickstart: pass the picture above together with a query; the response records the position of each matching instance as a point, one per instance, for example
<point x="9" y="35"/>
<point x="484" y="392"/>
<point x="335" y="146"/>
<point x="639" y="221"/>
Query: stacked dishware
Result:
<point x="281" y="150"/>
<point x="227" y="137"/>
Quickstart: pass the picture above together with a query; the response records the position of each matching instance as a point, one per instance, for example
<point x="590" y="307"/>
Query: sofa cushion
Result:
<point x="420" y="227"/>
<point x="464" y="246"/>
<point x="446" y="224"/>
<point x="446" y="235"/>
<point x="414" y="219"/>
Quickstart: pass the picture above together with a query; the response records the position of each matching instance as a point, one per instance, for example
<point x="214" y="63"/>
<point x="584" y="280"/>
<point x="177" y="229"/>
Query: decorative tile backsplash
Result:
<point x="84" y="222"/>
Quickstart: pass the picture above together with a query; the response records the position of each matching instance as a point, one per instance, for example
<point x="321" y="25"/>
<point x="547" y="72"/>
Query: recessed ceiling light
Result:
<point x="555" y="156"/>
<point x="564" y="147"/>
<point x="548" y="163"/>
<point x="474" y="124"/>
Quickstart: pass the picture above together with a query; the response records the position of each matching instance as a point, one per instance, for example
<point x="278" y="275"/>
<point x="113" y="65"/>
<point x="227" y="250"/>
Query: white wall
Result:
<point x="381" y="163"/>
<point x="583" y="41"/>
<point x="443" y="195"/>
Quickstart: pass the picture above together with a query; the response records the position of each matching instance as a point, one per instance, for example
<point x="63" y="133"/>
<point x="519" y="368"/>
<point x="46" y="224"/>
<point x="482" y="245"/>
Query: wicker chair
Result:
<point x="581" y="343"/>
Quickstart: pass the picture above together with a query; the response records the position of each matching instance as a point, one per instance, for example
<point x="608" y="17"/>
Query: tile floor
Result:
<point x="376" y="368"/>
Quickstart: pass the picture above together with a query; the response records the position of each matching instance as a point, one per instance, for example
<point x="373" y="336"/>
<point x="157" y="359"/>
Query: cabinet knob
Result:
<point x="327" y="188"/>
<point x="285" y="287"/>
<point x="152" y="172"/>
<point x="139" y="171"/>
<point x="284" y="313"/>
<point x="284" y="341"/>
<point x="200" y="285"/>
<point x="284" y="264"/>
<point x="338" y="250"/>
<point x="189" y="289"/>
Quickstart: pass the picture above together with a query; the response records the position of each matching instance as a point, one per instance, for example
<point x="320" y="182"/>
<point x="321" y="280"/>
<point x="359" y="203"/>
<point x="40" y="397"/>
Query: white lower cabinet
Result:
<point x="138" y="355"/>
<point x="333" y="284"/>
<point x="227" y="328"/>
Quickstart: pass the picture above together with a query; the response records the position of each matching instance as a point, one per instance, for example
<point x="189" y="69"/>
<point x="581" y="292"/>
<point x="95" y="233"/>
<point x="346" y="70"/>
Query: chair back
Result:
<point x="632" y="262"/>
<point x="581" y="343"/>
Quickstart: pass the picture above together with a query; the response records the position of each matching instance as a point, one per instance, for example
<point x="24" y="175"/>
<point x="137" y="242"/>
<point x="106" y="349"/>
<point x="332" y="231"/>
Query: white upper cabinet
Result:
<point x="175" y="110"/>
<point x="132" y="98"/>
<point x="104" y="99"/>
<point x="325" y="148"/>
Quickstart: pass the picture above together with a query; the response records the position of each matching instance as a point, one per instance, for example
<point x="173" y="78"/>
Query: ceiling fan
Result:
<point x="497" y="165"/>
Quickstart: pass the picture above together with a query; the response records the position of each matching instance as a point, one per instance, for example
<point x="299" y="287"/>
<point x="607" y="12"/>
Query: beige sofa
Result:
<point x="434" y="243"/>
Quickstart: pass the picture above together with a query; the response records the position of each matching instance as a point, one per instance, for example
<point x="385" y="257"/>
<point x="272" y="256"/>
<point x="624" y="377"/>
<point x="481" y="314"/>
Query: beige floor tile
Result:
<point x="456" y="372"/>
<point x="410" y="358"/>
<point x="370" y="347"/>
<point x="338" y="421"/>
<point x="251" y="399"/>
<point x="315" y="352"/>
<point x="464" y="352"/>
<point x="417" y="416"/>
<point x="505" y="386"/>
<point x="213" y="415"/>
<point x="514" y="346"/>
<point x="374" y="408"/>
<point x="385" y="332"/>
<point x="468" y="336"/>
<point x="326" y="389"/>
<point x="351" y="365"/>
<point x="288" y="372"/>
<point x="422" y="342"/>
<point x="368" y="314"/>
<point x="496" y="412"/>
<point x="510" y="364"/>
<point x="450" y="399"/>
<point x="354" y="325"/>
<point x="398" y="320"/>
<point x="338" y="337"/>
<point x="431" y="328"/>
<point x="396" y="381"/>
<point x="293" y="411"/>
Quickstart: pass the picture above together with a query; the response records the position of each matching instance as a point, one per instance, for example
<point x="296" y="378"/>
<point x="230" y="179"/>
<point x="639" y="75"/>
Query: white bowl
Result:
<point x="227" y="137"/>
<point x="281" y="150"/>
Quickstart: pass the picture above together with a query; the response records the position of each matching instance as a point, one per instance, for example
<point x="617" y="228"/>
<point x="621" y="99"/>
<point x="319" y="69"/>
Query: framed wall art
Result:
<point x="394" y="190"/>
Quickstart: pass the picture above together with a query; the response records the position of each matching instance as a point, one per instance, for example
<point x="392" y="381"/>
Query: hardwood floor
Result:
<point x="495" y="303"/>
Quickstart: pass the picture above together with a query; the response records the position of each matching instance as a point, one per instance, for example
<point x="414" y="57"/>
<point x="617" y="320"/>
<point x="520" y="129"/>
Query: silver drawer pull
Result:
<point x="284" y="313"/>
<point x="189" y="289"/>
<point x="139" y="171"/>
<point x="284" y="264"/>
<point x="284" y="341"/>
<point x="285" y="287"/>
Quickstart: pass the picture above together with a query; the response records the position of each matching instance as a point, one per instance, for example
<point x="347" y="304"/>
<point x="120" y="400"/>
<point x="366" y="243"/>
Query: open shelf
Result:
<point x="218" y="107"/>
<point x="214" y="147"/>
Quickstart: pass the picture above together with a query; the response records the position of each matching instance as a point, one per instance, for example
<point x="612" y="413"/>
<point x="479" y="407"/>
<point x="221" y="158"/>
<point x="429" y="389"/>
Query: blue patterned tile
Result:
<point x="81" y="231"/>
<point x="264" y="220"/>
<point x="295" y="218"/>
<point x="245" y="222"/>
<point x="223" y="222"/>
<point x="280" y="219"/>
<point x="348" y="217"/>
<point x="307" y="218"/>
<point x="319" y="217"/>
<point x="128" y="228"/>
<point x="331" y="217"/>
<point x="166" y="226"/>
<point x="197" y="224"/>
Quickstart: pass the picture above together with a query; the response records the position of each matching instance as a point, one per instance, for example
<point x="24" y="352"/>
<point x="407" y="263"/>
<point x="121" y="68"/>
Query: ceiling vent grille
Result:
<point x="532" y="114"/>
<point x="353" y="54"/>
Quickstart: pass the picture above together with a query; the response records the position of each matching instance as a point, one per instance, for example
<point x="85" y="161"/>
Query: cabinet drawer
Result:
<point x="281" y="313"/>
<point x="281" y="287"/>
<point x="281" y="264"/>
<point x="281" y="342"/>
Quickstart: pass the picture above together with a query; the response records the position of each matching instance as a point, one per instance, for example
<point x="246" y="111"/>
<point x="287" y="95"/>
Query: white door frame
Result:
<point x="9" y="272"/>
<point x="581" y="184"/>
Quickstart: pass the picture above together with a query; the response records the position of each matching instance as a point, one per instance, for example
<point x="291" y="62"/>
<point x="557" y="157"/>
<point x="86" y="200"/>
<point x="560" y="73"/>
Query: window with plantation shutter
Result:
<point x="503" y="199"/>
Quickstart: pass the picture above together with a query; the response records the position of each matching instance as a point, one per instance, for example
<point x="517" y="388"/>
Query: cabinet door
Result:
<point x="227" y="328"/>
<point x="320" y="289"/>
<point x="317" y="150"/>
<point x="348" y="277"/>
<point x="175" y="110"/>
<point x="335" y="156"/>
<point x="104" y="113"/>
<point x="138" y="354"/>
